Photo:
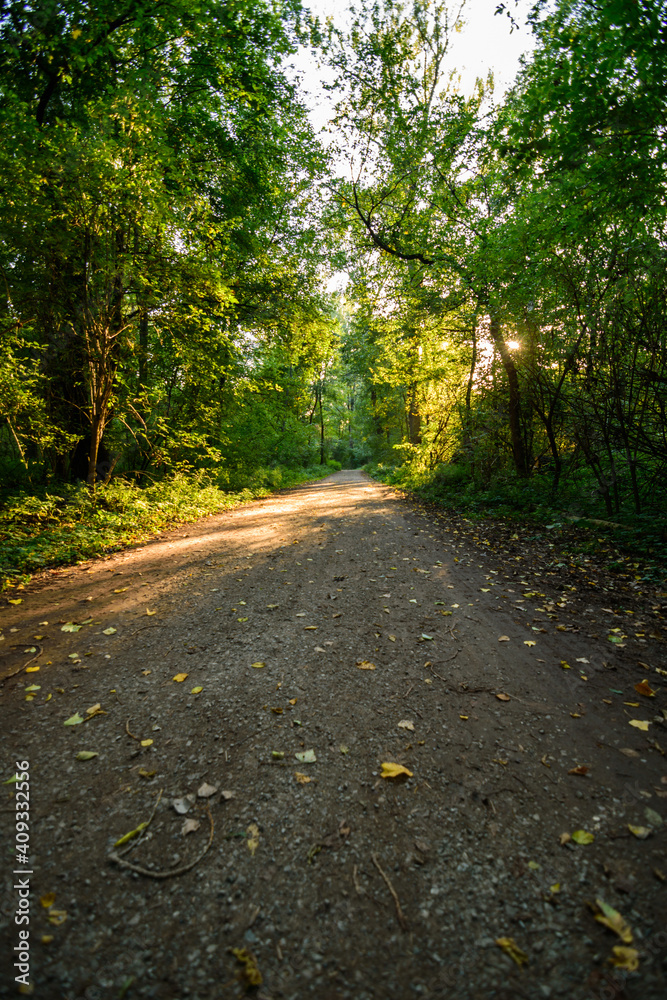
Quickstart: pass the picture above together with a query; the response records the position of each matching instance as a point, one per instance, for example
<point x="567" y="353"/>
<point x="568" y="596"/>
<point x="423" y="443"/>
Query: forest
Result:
<point x="172" y="225"/>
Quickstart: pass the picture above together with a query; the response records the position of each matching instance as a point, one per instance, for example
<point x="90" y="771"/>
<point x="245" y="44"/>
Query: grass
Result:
<point x="64" y="524"/>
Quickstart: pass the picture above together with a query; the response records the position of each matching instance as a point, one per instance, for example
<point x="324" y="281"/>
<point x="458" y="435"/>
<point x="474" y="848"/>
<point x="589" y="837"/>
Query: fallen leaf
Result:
<point x="16" y="600"/>
<point x="303" y="779"/>
<point x="565" y="665"/>
<point x="33" y="687"/>
<point x="392" y="638"/>
<point x="146" y="743"/>
<point x="57" y="917"/>
<point x="564" y="838"/>
<point x="640" y="832"/>
<point x="511" y="948"/>
<point x="390" y="770"/>
<point x="582" y="837"/>
<point x="503" y="638"/>
<point x="227" y="795"/>
<point x="183" y="806"/>
<point x="654" y="818"/>
<point x="258" y="665"/>
<point x="69" y="627"/>
<point x="149" y="613"/>
<point x="179" y="678"/>
<point x="48" y="900"/>
<point x="205" y="791"/>
<point x="31" y="670"/>
<point x="309" y="628"/>
<point x="426" y="638"/>
<point x="645" y="688"/>
<point x="278" y="754"/>
<point x="343" y="749"/>
<point x="196" y="690"/>
<point x="86" y="754"/>
<point x="464" y="717"/>
<point x="292" y="701"/>
<point x="612" y="919"/>
<point x="253" y="838"/>
<point x="529" y="642"/>
<point x="109" y="631"/>
<point x="406" y="724"/>
<point x="579" y="769"/>
<point x="624" y="958"/>
<point x="146" y="774"/>
<point x="250" y="974"/>
<point x="640" y="724"/>
<point x="129" y="836"/>
<point x="307" y="757"/>
<point x="365" y="665"/>
<point x="503" y="697"/>
<point x="74" y="720"/>
<point x="95" y="709"/>
<point x="189" y="826"/>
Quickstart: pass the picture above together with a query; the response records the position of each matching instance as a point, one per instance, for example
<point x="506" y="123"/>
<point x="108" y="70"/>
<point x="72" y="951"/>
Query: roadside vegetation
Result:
<point x="168" y="342"/>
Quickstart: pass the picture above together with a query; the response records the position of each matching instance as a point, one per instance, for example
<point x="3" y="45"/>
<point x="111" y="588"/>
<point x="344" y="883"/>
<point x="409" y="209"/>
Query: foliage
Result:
<point x="59" y="525"/>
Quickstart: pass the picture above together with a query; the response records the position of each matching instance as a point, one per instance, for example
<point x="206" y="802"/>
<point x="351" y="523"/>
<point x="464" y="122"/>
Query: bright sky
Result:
<point x="485" y="43"/>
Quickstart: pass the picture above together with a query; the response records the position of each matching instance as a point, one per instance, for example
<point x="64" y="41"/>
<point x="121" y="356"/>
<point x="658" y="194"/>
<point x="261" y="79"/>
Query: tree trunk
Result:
<point x="321" y="430"/>
<point x="514" y="398"/>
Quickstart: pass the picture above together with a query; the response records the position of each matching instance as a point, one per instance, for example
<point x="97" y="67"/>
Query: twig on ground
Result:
<point x="408" y="691"/>
<point x="452" y="657"/>
<point x="127" y="730"/>
<point x="399" y="912"/>
<point x="155" y="625"/>
<point x="177" y="871"/>
<point x="24" y="665"/>
<point x="133" y="843"/>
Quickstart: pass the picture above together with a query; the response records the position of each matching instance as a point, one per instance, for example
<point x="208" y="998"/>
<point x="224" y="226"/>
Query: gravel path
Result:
<point x="340" y="619"/>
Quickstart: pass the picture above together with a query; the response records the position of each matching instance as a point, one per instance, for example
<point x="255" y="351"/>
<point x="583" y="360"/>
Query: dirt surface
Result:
<point x="493" y="676"/>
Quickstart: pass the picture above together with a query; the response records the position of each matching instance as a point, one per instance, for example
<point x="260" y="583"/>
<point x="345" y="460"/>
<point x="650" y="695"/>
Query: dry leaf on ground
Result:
<point x="391" y="770"/>
<point x="511" y="948"/>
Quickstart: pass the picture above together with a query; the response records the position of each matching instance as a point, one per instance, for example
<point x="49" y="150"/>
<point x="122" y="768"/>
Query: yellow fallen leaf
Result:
<point x="57" y="917"/>
<point x="503" y="697"/>
<point x="108" y="631"/>
<point x="48" y="900"/>
<point x="146" y="743"/>
<point x="303" y="779"/>
<point x="503" y="638"/>
<point x="511" y="948"/>
<point x="645" y="688"/>
<point x="31" y="670"/>
<point x="582" y="837"/>
<point x="390" y="770"/>
<point x="624" y="958"/>
<point x="640" y="724"/>
<point x="121" y="590"/>
<point x="406" y="724"/>
<point x="392" y="638"/>
<point x="365" y="665"/>
<point x="253" y="838"/>
<point x="197" y="690"/>
<point x="46" y="938"/>
<point x="179" y="678"/>
<point x="309" y="628"/>
<point x="640" y="832"/>
<point x="464" y="717"/>
<point x="95" y="709"/>
<point x="612" y="919"/>
<point x="250" y="974"/>
<point x="149" y="613"/>
<point x="258" y="665"/>
<point x="555" y="888"/>
<point x="565" y="665"/>
<point x="129" y="836"/>
<point x="18" y="600"/>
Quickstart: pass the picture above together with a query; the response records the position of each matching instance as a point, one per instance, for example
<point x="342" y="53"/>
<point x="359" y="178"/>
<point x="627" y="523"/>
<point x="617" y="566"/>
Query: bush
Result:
<point x="333" y="464"/>
<point x="67" y="523"/>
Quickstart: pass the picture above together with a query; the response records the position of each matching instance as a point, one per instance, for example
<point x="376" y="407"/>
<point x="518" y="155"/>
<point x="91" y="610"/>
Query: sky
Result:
<point x="485" y="43"/>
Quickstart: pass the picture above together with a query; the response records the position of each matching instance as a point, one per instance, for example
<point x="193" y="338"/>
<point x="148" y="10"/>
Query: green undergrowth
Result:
<point x="57" y="525"/>
<point x="574" y="516"/>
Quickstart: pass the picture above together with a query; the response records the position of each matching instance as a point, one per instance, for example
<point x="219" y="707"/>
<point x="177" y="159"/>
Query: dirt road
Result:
<point x="341" y="622"/>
